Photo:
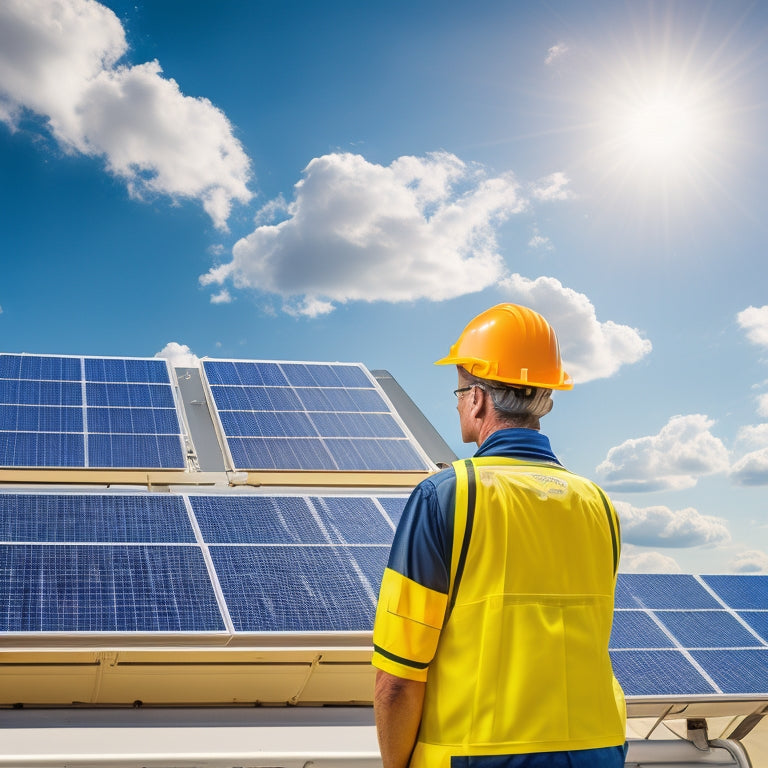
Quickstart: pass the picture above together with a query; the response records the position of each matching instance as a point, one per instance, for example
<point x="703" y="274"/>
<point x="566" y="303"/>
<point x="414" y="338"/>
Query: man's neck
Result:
<point x="494" y="425"/>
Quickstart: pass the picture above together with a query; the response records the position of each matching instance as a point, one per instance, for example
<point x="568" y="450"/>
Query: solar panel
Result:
<point x="678" y="634"/>
<point x="89" y="588"/>
<point x="88" y="412"/>
<point x="253" y="564"/>
<point x="147" y="563"/>
<point x="308" y="416"/>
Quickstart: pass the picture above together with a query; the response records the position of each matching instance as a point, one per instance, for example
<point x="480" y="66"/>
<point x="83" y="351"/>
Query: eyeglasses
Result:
<point x="462" y="390"/>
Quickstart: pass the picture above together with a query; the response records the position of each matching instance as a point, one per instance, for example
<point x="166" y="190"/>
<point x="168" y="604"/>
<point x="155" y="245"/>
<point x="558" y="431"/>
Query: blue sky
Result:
<point x="351" y="181"/>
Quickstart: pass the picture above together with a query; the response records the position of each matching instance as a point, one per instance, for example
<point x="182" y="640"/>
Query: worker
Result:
<point x="495" y="609"/>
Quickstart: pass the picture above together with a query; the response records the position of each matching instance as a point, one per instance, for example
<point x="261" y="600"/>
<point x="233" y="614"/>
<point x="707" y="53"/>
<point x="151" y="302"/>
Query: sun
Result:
<point x="651" y="129"/>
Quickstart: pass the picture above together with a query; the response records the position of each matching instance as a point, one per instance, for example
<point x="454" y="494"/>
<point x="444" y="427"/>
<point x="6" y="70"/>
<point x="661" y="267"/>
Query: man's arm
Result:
<point x="397" y="703"/>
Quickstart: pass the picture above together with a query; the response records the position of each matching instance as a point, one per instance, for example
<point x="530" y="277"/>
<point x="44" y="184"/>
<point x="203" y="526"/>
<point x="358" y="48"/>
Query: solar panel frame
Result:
<point x="47" y="422"/>
<point x="307" y="416"/>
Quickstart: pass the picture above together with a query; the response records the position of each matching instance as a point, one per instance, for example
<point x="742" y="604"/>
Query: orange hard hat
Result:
<point x="511" y="344"/>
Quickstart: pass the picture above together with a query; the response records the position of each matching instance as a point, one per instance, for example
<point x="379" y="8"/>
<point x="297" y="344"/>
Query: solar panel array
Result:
<point x="688" y="635"/>
<point x="149" y="563"/>
<point x="58" y="411"/>
<point x="308" y="416"/>
<point x="288" y="563"/>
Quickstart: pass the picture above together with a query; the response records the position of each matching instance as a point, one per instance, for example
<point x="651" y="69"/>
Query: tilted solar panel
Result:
<point x="678" y="634"/>
<point x="254" y="564"/>
<point x="88" y="412"/>
<point x="308" y="416"/>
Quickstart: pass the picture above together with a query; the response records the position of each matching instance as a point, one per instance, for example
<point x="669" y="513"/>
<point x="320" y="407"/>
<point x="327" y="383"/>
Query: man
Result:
<point x="495" y="610"/>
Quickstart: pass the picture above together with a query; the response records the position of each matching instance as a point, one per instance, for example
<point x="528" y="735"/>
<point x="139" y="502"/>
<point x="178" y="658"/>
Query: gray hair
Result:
<point x="512" y="401"/>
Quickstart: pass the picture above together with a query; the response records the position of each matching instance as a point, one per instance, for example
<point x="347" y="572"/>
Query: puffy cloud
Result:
<point x="675" y="458"/>
<point x="555" y="52"/>
<point x="751" y="469"/>
<point x="591" y="349"/>
<point x="754" y="320"/>
<point x="663" y="527"/>
<point x="60" y="60"/>
<point x="756" y="436"/>
<point x="750" y="561"/>
<point x="647" y="562"/>
<point x="179" y="355"/>
<point x="222" y="297"/>
<point x="422" y="227"/>
<point x="552" y="187"/>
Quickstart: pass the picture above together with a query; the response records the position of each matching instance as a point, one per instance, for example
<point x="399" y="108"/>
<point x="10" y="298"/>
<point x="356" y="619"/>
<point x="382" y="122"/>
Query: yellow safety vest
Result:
<point x="522" y="662"/>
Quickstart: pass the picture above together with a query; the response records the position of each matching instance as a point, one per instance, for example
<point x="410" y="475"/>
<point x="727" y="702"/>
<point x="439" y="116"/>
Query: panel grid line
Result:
<point x="214" y="577"/>
<point x="728" y="608"/>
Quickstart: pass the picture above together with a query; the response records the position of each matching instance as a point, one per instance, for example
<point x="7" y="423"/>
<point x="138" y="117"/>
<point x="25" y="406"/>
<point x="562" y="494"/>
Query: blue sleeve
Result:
<point x="421" y="550"/>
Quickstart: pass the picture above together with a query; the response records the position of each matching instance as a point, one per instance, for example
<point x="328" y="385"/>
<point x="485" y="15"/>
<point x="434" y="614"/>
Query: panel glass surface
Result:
<point x="92" y="517"/>
<point x="661" y="590"/>
<point x="299" y="589"/>
<point x="736" y="671"/>
<point x="740" y="592"/>
<point x="636" y="629"/>
<point x="107" y="588"/>
<point x="88" y="412"/>
<point x="707" y="629"/>
<point x="307" y="416"/>
<point x="658" y="673"/>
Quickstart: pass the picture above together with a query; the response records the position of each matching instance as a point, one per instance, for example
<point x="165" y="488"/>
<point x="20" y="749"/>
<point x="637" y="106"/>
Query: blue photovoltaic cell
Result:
<point x="92" y="588"/>
<point x="134" y="451"/>
<point x="736" y="671"/>
<point x="707" y="629"/>
<point x="298" y="588"/>
<point x="393" y="506"/>
<point x="274" y="453"/>
<point x="40" y="392"/>
<point x="41" y="418"/>
<point x="657" y="673"/>
<point x="352" y="520"/>
<point x="129" y="417"/>
<point x="41" y="449"/>
<point x="157" y="421"/>
<point x="636" y="629"/>
<point x="40" y="367"/>
<point x="661" y="590"/>
<point x="256" y="520"/>
<point x="126" y="370"/>
<point x="740" y="592"/>
<point x="48" y="517"/>
<point x="758" y="620"/>
<point x="307" y="416"/>
<point x="129" y="395"/>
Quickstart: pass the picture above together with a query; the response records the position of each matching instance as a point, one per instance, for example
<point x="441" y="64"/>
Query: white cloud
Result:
<point x="60" y="60"/>
<point x="179" y="355"/>
<point x="539" y="241"/>
<point x="647" y="562"/>
<point x="673" y="459"/>
<point x="755" y="436"/>
<point x="754" y="320"/>
<point x="552" y="187"/>
<point x="222" y="297"/>
<point x="661" y="526"/>
<point x="422" y="227"/>
<point x="750" y="561"/>
<point x="762" y="405"/>
<point x="751" y="469"/>
<point x="590" y="349"/>
<point x="555" y="52"/>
